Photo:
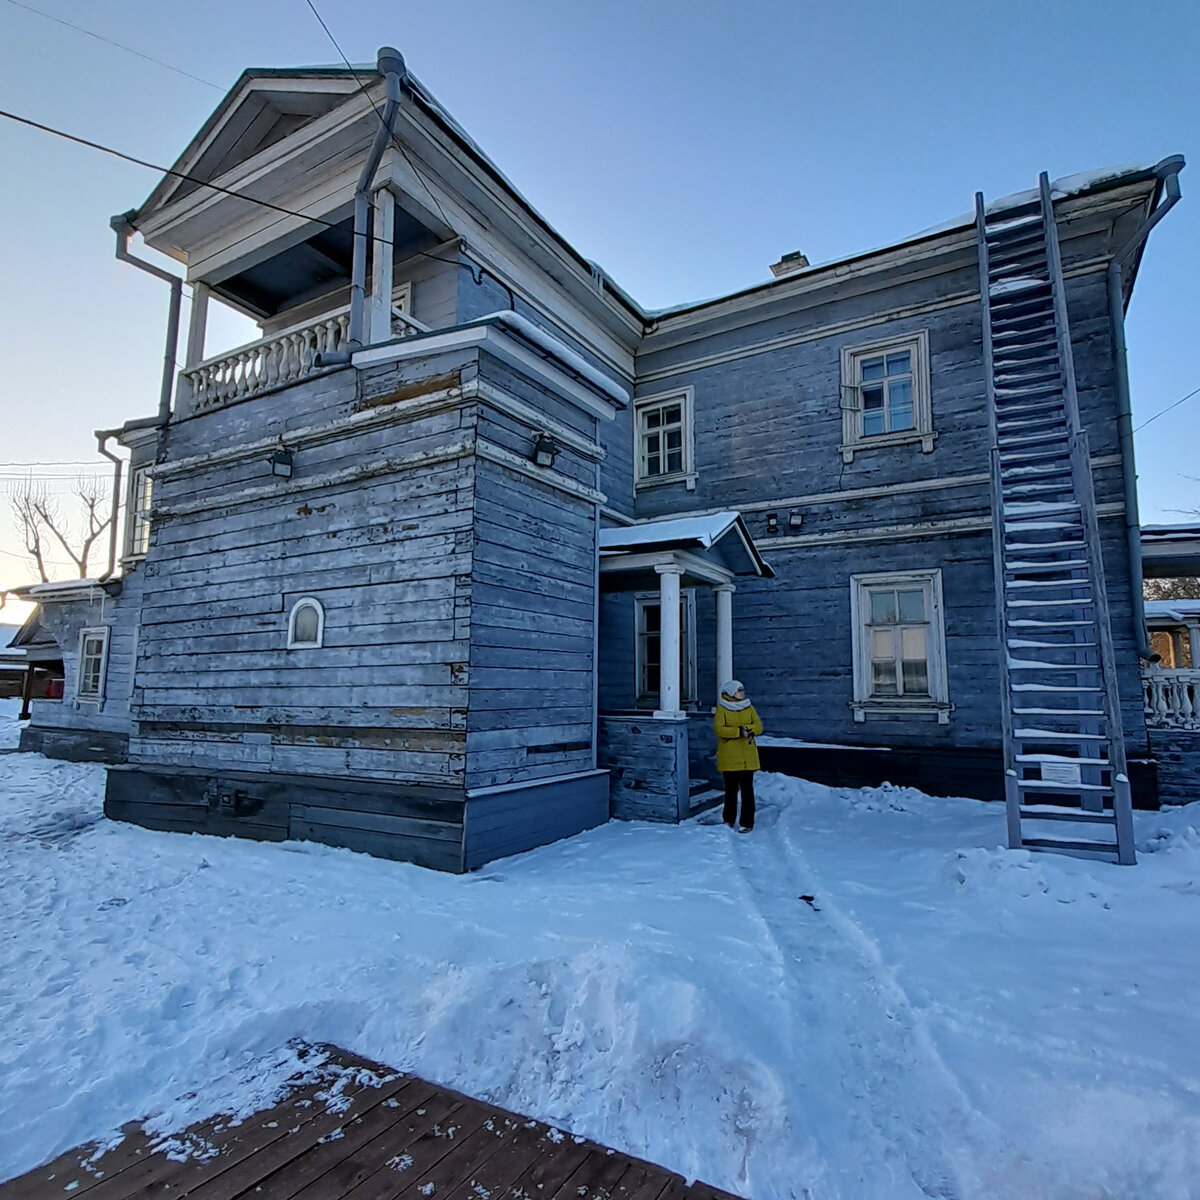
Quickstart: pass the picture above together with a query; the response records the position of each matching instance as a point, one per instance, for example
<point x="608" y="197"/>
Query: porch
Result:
<point x="666" y="645"/>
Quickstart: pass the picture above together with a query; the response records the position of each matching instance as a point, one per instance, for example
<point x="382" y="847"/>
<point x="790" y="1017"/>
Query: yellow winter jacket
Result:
<point x="735" y="752"/>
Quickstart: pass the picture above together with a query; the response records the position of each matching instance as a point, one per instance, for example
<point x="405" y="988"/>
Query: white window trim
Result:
<point x="96" y="697"/>
<point x="687" y="597"/>
<point x="938" y="701"/>
<point x="688" y="475"/>
<point x="306" y="602"/>
<point x="131" y="511"/>
<point x="853" y="439"/>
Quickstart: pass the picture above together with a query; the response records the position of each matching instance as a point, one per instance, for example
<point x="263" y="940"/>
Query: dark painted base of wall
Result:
<point x="76" y="745"/>
<point x="935" y="770"/>
<point x="433" y="827"/>
<point x="1177" y="752"/>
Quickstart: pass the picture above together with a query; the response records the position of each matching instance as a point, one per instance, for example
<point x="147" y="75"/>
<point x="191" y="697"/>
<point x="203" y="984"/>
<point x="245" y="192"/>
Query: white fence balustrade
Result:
<point x="1172" y="697"/>
<point x="276" y="361"/>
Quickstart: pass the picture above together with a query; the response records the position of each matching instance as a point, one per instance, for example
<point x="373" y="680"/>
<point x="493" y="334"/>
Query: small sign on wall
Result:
<point x="1060" y="772"/>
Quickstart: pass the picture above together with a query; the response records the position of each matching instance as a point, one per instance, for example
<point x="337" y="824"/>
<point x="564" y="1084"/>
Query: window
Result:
<point x="663" y="437"/>
<point x="141" y="492"/>
<point x="93" y="660"/>
<point x="885" y="395"/>
<point x="649" y="639"/>
<point x="306" y="625"/>
<point x="899" y="644"/>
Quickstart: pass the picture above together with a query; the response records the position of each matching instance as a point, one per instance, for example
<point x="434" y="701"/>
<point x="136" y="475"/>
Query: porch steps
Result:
<point x="1064" y="749"/>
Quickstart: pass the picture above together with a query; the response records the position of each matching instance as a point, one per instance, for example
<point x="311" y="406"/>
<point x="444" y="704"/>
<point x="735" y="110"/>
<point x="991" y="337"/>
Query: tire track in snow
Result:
<point x="924" y="1135"/>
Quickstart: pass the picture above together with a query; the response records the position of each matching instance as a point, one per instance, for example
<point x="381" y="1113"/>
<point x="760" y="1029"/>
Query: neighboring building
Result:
<point x="449" y="565"/>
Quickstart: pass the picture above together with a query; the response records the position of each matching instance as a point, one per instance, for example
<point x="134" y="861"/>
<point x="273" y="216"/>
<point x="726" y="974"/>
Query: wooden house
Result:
<point x="450" y="561"/>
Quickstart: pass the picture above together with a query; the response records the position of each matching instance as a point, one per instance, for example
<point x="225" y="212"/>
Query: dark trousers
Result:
<point x="733" y="781"/>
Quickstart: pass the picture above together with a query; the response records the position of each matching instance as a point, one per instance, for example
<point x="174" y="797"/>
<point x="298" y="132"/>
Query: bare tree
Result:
<point x="1180" y="587"/>
<point x="41" y="522"/>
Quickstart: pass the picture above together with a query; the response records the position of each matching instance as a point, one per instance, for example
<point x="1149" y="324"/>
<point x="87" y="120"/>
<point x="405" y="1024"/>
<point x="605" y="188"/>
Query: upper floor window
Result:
<point x="885" y="395"/>
<point x="899" y="644"/>
<point x="93" y="662"/>
<point x="141" y="493"/>
<point x="306" y="625"/>
<point x="663" y="452"/>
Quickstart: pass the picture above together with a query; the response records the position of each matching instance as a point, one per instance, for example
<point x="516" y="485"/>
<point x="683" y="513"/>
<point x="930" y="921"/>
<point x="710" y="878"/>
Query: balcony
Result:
<point x="278" y="361"/>
<point x="1172" y="698"/>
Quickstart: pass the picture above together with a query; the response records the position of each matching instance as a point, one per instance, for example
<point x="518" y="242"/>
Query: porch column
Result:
<point x="1194" y="639"/>
<point x="197" y="325"/>
<point x="668" y="640"/>
<point x="379" y="324"/>
<point x="26" y="693"/>
<point x="724" y="593"/>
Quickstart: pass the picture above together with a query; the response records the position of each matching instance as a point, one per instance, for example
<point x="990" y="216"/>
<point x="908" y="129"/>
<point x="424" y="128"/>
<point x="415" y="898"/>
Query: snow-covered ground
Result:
<point x="945" y="1019"/>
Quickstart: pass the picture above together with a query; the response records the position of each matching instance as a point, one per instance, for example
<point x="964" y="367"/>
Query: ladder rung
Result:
<point x="1059" y="712"/>
<point x="1071" y="564"/>
<point x="1048" y="785"/>
<point x="1065" y="603"/>
<point x="1014" y="584"/>
<point x="1061" y="758"/>
<point x="1027" y="644"/>
<point x="1038" y="546"/>
<point x="1025" y="664"/>
<point x="1056" y="735"/>
<point x="1063" y="844"/>
<point x="1035" y="813"/>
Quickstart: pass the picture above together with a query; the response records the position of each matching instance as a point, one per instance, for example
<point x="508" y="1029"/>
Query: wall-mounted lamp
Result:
<point x="544" y="450"/>
<point x="281" y="464"/>
<point x="795" y="521"/>
<point x="772" y="524"/>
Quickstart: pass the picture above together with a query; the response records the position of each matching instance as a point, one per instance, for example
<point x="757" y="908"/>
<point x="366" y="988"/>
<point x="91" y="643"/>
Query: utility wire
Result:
<point x="216" y="187"/>
<point x="1163" y="411"/>
<point x="158" y="62"/>
<point x="362" y="87"/>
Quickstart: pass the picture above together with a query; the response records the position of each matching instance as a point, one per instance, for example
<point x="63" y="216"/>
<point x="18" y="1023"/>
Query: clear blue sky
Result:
<point x="684" y="146"/>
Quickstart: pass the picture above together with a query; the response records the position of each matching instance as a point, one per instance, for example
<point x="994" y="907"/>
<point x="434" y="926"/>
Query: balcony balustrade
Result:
<point x="277" y="361"/>
<point x="1172" y="698"/>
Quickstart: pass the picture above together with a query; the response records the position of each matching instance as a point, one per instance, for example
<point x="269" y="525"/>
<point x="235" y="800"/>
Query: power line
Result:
<point x="158" y="62"/>
<point x="476" y="272"/>
<point x="1162" y="411"/>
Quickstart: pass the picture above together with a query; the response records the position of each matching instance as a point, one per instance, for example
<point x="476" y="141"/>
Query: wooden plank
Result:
<point x="402" y="1128"/>
<point x="227" y="1180"/>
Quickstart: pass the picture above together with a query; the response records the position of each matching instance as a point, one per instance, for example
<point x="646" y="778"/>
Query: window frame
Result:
<point x="865" y="702"/>
<point x="302" y="603"/>
<point x="853" y="438"/>
<point x="137" y="512"/>
<point x="103" y="632"/>
<point x="685" y="396"/>
<point x="690" y="676"/>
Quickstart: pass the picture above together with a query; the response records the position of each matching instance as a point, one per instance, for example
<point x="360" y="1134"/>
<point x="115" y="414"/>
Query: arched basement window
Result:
<point x="306" y="625"/>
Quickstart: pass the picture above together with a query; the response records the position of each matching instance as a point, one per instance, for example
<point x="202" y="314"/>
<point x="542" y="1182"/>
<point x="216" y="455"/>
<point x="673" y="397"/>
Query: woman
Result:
<point x="737" y="726"/>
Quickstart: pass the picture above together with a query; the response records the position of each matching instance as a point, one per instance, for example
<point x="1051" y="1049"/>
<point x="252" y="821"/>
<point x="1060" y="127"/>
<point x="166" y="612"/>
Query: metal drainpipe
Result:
<point x="122" y="226"/>
<point x="102" y="436"/>
<point x="1168" y="170"/>
<point x="391" y="65"/>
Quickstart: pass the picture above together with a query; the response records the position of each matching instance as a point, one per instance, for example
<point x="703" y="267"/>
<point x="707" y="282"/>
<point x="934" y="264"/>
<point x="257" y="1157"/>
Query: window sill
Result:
<point x="687" y="478"/>
<point x="910" y="708"/>
<point x="908" y="438"/>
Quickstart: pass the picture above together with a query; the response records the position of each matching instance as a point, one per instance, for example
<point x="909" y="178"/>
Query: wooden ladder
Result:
<point x="1064" y="750"/>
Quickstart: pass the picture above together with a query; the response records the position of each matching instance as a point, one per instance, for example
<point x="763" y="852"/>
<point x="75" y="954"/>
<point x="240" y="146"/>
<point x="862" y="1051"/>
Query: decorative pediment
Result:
<point x="262" y="108"/>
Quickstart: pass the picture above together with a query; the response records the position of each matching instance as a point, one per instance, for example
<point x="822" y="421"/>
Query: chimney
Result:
<point x="789" y="263"/>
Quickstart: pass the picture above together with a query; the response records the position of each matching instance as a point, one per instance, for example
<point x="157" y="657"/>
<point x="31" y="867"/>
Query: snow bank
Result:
<point x="938" y="1018"/>
<point x="10" y="727"/>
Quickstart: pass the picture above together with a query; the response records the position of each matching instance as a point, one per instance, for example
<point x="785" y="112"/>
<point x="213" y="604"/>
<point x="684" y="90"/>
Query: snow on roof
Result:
<point x="1060" y="189"/>
<point x="1173" y="610"/>
<point x="707" y="530"/>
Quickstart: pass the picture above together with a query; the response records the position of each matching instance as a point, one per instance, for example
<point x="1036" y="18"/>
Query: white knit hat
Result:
<point x="731" y="688"/>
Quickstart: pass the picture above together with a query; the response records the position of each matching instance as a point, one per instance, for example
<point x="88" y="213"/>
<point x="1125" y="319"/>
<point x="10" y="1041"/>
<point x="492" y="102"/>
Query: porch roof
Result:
<point x="1179" y="612"/>
<point x="720" y="539"/>
<point x="1169" y="550"/>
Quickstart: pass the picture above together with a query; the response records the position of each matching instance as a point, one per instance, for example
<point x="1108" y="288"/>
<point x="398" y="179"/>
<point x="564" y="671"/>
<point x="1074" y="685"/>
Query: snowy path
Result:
<point x="955" y="1021"/>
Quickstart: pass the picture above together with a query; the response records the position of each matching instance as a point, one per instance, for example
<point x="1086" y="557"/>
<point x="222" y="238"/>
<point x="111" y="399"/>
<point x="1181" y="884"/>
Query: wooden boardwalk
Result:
<point x="364" y="1133"/>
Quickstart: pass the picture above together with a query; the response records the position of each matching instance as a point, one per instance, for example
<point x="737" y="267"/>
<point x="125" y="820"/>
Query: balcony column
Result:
<point x="668" y="641"/>
<point x="379" y="318"/>
<point x="197" y="325"/>
<point x="1194" y="640"/>
<point x="724" y="594"/>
